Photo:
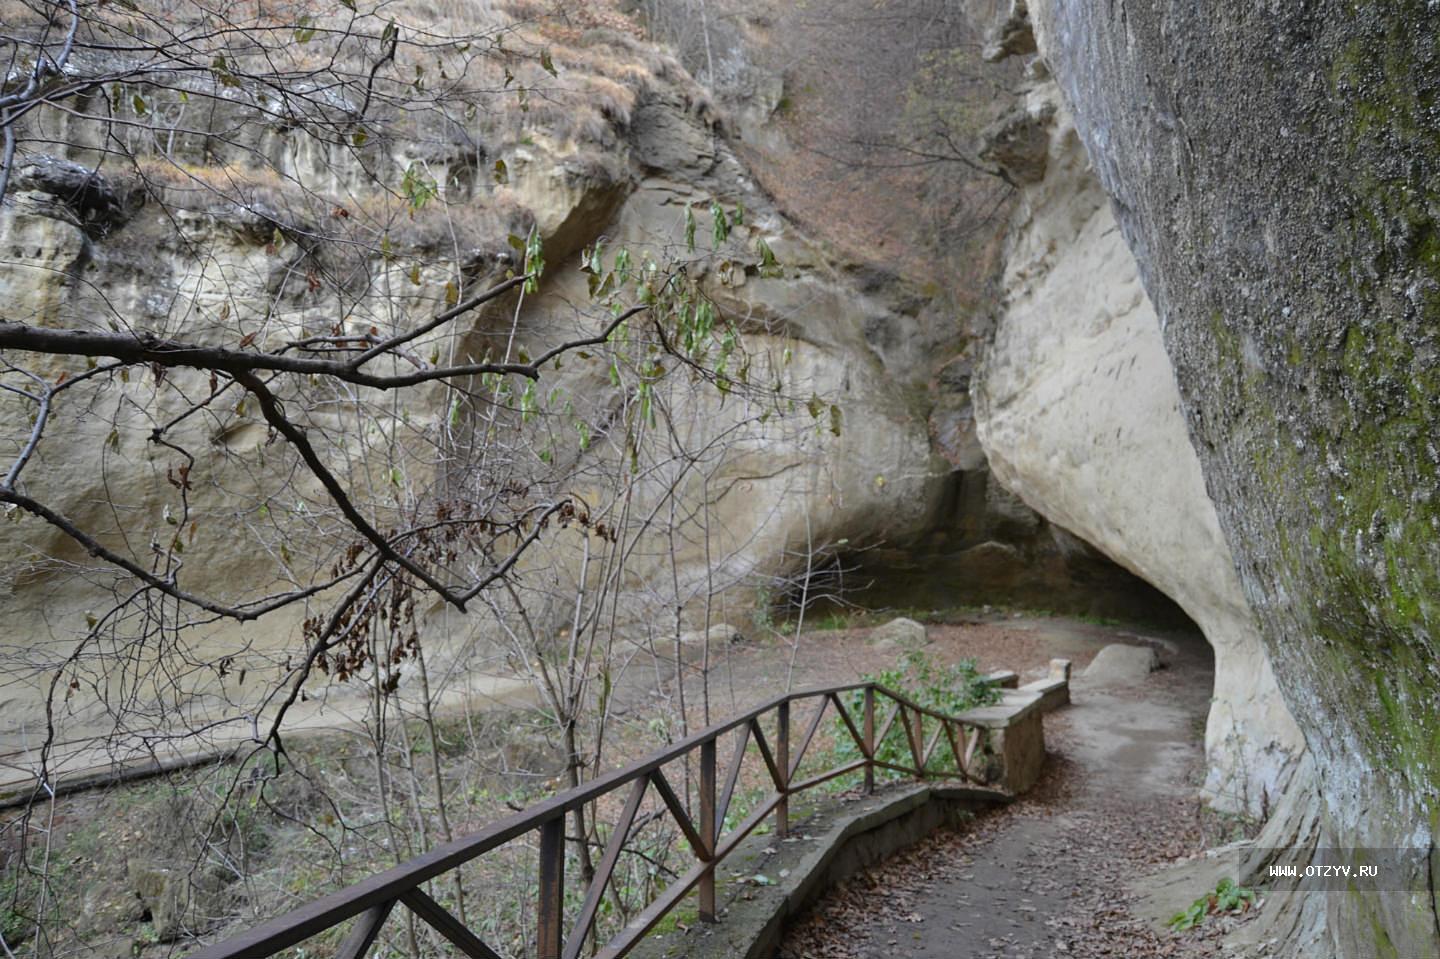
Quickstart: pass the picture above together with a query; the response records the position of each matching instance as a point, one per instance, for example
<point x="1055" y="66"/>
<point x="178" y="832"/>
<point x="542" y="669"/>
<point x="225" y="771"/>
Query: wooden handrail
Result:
<point x="373" y="899"/>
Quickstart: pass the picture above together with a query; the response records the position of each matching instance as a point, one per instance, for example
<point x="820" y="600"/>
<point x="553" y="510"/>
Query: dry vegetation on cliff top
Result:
<point x="434" y="81"/>
<point x="878" y="111"/>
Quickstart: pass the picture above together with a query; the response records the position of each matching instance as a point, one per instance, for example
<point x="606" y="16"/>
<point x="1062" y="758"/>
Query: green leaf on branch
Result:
<point x="720" y="225"/>
<point x="220" y="67"/>
<point x="534" y="260"/>
<point x="769" y="267"/>
<point x="418" y="188"/>
<point x="528" y="404"/>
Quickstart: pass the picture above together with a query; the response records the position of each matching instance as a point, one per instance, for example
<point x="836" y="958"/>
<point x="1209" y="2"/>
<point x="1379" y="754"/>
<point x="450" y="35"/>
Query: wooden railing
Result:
<point x="371" y="901"/>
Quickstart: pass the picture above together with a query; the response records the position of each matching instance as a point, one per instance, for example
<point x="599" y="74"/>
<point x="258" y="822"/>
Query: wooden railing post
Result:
<point x="709" y="829"/>
<point x="869" y="739"/>
<point x="363" y="933"/>
<point x="782" y="760"/>
<point x="915" y="734"/>
<point x="550" y="911"/>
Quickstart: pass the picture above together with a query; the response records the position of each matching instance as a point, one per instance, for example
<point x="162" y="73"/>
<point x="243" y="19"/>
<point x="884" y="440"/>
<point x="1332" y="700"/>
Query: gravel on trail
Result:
<point x="1053" y="873"/>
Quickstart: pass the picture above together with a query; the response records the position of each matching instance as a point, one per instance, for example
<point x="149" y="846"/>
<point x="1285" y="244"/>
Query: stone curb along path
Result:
<point x="768" y="880"/>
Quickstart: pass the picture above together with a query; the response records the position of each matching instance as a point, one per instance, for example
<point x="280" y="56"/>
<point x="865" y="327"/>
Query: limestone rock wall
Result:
<point x="1079" y="414"/>
<point x="874" y="478"/>
<point x="622" y="142"/>
<point x="1274" y="169"/>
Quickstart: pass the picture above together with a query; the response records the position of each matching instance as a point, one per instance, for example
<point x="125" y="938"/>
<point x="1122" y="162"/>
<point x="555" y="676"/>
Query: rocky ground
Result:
<point x="755" y="670"/>
<point x="1053" y="874"/>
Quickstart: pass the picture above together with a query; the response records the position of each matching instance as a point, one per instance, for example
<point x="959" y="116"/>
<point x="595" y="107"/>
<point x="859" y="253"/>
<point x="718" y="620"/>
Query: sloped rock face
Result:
<point x="1276" y="170"/>
<point x="1118" y="664"/>
<point x="79" y="245"/>
<point x="1079" y="414"/>
<point x="620" y="155"/>
<point x="76" y="242"/>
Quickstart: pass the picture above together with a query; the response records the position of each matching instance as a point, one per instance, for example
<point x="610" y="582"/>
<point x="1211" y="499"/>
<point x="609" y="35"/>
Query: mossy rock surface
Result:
<point x="1276" y="170"/>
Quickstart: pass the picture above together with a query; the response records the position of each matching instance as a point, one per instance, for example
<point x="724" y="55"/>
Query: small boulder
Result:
<point x="109" y="905"/>
<point x="693" y="645"/>
<point x="177" y="902"/>
<point x="899" y="633"/>
<point x="721" y="634"/>
<point x="96" y="203"/>
<point x="1119" y="663"/>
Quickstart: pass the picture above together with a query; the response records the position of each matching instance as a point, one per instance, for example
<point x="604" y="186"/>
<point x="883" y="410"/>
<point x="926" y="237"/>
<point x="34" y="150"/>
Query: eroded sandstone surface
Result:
<point x="1079" y="414"/>
<point x="1274" y="169"/>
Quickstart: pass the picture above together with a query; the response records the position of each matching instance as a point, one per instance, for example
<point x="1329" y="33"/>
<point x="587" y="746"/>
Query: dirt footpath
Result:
<point x="1047" y="876"/>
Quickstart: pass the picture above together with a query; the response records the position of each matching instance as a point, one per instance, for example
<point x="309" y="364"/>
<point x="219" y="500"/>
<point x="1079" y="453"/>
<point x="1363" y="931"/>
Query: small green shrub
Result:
<point x="833" y="620"/>
<point x="1226" y="898"/>
<point x="15" y="925"/>
<point x="762" y="617"/>
<point x="743" y="802"/>
<point x="946" y="688"/>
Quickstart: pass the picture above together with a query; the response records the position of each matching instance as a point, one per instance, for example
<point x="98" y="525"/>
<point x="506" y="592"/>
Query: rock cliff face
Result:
<point x="1274" y="169"/>
<point x="628" y="146"/>
<point x="623" y="144"/>
<point x="1079" y="414"/>
<point x="631" y="179"/>
<point x="813" y="105"/>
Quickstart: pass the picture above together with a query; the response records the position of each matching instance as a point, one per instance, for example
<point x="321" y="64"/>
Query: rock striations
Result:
<point x="1079" y="414"/>
<point x="1275" y="168"/>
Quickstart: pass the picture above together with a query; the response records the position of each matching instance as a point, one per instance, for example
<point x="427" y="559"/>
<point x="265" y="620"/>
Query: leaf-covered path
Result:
<point x="1049" y="875"/>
